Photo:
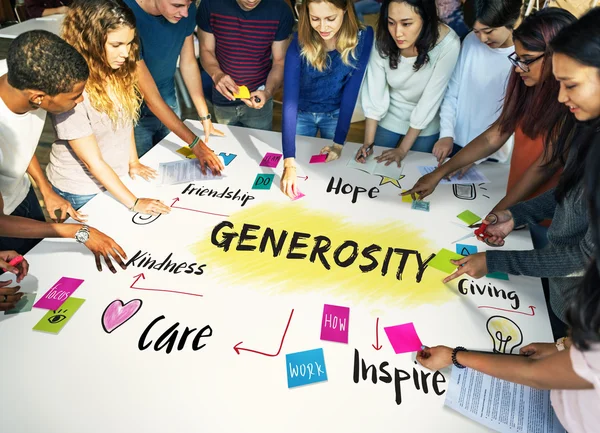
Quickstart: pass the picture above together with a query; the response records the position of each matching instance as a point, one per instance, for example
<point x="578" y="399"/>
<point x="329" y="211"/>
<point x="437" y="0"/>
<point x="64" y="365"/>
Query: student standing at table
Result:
<point x="44" y="8"/>
<point x="95" y="143"/>
<point x="243" y="43"/>
<point x="324" y="68"/>
<point x="409" y="69"/>
<point x="165" y="29"/>
<point x="571" y="370"/>
<point x="42" y="73"/>
<point x="475" y="93"/>
<point x="531" y="111"/>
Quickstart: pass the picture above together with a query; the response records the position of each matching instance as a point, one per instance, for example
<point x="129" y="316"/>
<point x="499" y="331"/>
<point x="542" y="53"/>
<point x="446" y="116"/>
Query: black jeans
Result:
<point x="29" y="208"/>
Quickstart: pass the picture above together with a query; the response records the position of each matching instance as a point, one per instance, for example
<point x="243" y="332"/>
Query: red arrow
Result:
<point x="512" y="311"/>
<point x="303" y="177"/>
<point x="377" y="346"/>
<point x="176" y="199"/>
<point x="237" y="349"/>
<point x="137" y="278"/>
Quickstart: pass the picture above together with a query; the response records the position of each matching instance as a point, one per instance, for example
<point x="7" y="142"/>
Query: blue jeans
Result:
<point x="387" y="138"/>
<point x="242" y="115"/>
<point x="309" y="124"/>
<point x="76" y="200"/>
<point x="149" y="129"/>
<point x="28" y="208"/>
<point x="366" y="7"/>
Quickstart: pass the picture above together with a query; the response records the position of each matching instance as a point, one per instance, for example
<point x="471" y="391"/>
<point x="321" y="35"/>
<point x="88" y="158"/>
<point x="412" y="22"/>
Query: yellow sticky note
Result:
<point x="406" y="198"/>
<point x="243" y="94"/>
<point x="187" y="152"/>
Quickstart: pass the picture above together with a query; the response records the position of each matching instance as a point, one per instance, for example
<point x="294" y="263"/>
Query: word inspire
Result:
<point x="227" y="193"/>
<point x="343" y="256"/>
<point x="169" y="337"/>
<point x="419" y="377"/>
<point x="466" y="286"/>
<point x="145" y="260"/>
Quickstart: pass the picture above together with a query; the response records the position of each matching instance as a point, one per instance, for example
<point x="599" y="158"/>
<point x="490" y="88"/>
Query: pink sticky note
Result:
<point x="403" y="338"/>
<point x="335" y="322"/>
<point x="317" y="159"/>
<point x="299" y="196"/>
<point x="58" y="293"/>
<point x="271" y="160"/>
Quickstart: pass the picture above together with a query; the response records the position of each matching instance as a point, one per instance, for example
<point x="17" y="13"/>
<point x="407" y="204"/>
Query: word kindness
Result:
<point x="343" y="255"/>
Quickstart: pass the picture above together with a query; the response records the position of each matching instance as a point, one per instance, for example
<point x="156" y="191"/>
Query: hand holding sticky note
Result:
<point x="243" y="93"/>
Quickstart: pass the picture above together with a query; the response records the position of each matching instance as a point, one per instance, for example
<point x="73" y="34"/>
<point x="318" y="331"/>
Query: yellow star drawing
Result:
<point x="395" y="182"/>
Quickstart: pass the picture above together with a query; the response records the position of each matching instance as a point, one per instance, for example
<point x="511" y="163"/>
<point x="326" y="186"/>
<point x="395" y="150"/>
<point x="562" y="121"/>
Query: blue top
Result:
<point x="307" y="89"/>
<point x="160" y="45"/>
<point x="244" y="39"/>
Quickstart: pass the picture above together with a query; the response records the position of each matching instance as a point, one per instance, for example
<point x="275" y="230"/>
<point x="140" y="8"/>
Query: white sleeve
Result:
<point x="432" y="97"/>
<point x="375" y="97"/>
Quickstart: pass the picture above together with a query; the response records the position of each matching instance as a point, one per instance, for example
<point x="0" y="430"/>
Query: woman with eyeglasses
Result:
<point x="531" y="111"/>
<point x="571" y="368"/>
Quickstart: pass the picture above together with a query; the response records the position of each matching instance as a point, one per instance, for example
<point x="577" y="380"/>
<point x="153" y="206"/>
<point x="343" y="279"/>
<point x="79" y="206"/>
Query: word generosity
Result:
<point x="344" y="255"/>
<point x="227" y="194"/>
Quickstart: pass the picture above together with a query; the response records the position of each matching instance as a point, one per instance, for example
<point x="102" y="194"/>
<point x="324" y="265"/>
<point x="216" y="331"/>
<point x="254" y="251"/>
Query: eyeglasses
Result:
<point x="522" y="64"/>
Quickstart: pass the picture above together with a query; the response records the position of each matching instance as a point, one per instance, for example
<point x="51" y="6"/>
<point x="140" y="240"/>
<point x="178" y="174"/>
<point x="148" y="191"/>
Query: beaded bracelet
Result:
<point x="454" y="352"/>
<point x="196" y="140"/>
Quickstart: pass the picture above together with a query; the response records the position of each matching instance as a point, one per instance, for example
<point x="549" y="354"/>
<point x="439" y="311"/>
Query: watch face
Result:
<point x="82" y="236"/>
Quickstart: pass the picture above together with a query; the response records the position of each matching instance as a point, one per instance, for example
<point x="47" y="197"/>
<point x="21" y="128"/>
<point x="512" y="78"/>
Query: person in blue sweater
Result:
<point x="324" y="68"/>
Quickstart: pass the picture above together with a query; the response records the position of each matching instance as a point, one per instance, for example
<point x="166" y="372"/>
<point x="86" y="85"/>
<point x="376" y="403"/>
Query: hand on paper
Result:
<point x="392" y="155"/>
<point x="20" y="270"/>
<point x="442" y="149"/>
<point x="141" y="170"/>
<point x="435" y="358"/>
<point x="12" y="295"/>
<point x="538" y="350"/>
<point x="226" y="86"/>
<point x="473" y="265"/>
<point x="460" y="172"/>
<point x="363" y="153"/>
<point x="207" y="158"/>
<point x="289" y="179"/>
<point x="333" y="152"/>
<point x="209" y="129"/>
<point x="500" y="224"/>
<point x="424" y="186"/>
<point x="151" y="206"/>
<point x="103" y="246"/>
<point x="55" y="203"/>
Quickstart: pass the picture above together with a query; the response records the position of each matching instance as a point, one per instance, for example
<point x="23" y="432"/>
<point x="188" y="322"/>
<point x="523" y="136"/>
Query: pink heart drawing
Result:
<point x="117" y="313"/>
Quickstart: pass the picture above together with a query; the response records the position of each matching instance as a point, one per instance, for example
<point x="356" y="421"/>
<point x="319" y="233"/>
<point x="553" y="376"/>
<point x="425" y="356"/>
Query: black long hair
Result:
<point x="386" y="45"/>
<point x="581" y="42"/>
<point x="497" y="13"/>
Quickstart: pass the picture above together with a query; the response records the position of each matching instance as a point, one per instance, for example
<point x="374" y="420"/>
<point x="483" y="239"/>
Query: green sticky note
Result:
<point x="55" y="320"/>
<point x="468" y="217"/>
<point x="263" y="181"/>
<point x="441" y="261"/>
<point x="498" y="276"/>
<point x="24" y="305"/>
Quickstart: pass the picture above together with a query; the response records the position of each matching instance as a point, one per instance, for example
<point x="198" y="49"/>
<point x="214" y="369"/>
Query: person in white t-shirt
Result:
<point x="476" y="90"/>
<point x="42" y="73"/>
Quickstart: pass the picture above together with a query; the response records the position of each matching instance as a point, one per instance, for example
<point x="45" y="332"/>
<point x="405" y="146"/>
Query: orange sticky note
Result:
<point x="244" y="93"/>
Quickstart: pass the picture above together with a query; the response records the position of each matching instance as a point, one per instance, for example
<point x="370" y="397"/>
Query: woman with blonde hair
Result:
<point x="95" y="145"/>
<point x="324" y="67"/>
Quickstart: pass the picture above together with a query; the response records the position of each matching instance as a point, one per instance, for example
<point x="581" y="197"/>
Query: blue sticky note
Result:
<point x="263" y="181"/>
<point x="498" y="276"/>
<point x="466" y="250"/>
<point x="304" y="368"/>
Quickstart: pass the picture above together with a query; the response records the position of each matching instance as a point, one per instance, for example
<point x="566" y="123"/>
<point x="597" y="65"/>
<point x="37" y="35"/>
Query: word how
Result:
<point x="145" y="260"/>
<point x="169" y="337"/>
<point x="350" y="189"/>
<point x="227" y="193"/>
<point x="420" y="378"/>
<point x="343" y="256"/>
<point x="334" y="325"/>
<point x="466" y="287"/>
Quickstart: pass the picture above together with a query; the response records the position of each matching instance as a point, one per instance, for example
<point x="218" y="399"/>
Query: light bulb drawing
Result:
<point x="506" y="334"/>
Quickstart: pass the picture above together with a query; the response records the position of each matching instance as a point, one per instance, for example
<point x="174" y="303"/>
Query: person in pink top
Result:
<point x="571" y="367"/>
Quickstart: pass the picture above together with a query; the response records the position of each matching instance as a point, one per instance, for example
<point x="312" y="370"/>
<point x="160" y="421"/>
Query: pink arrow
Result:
<point x="176" y="199"/>
<point x="512" y="311"/>
<point x="136" y="278"/>
<point x="238" y="349"/>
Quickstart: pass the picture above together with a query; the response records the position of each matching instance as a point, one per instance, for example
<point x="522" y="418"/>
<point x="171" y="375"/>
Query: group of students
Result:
<point x="528" y="94"/>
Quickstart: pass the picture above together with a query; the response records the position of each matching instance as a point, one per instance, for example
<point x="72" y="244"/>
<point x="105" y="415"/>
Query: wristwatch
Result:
<point x="83" y="234"/>
<point x="203" y="118"/>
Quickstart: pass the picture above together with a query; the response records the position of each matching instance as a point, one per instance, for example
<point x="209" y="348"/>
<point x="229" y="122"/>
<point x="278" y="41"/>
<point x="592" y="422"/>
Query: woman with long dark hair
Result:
<point x="531" y="111"/>
<point x="572" y="374"/>
<point x="407" y="76"/>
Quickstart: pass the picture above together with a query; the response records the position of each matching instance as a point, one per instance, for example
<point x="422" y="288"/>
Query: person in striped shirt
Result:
<point x="243" y="43"/>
